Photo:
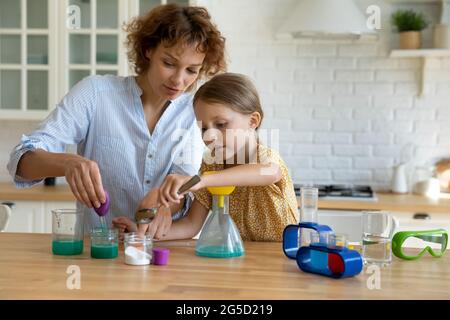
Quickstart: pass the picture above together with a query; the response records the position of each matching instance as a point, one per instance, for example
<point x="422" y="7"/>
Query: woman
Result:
<point x="130" y="132"/>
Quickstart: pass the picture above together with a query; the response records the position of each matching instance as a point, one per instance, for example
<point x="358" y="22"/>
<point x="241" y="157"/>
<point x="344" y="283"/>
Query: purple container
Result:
<point x="160" y="256"/>
<point x="104" y="208"/>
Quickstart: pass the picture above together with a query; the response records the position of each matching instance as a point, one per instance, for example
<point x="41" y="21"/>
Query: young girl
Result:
<point x="263" y="202"/>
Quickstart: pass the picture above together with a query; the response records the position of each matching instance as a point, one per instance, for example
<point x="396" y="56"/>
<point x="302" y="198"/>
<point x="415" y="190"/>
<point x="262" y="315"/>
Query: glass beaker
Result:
<point x="104" y="243"/>
<point x="138" y="249"/>
<point x="337" y="240"/>
<point x="67" y="231"/>
<point x="308" y="212"/>
<point x="220" y="237"/>
<point x="378" y="229"/>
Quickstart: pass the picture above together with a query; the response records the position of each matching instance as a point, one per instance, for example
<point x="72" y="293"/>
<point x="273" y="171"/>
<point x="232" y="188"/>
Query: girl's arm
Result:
<point x="241" y="175"/>
<point x="244" y="175"/>
<point x="190" y="225"/>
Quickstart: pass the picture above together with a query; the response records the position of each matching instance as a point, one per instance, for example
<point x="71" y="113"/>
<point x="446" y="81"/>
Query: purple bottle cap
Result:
<point x="104" y="208"/>
<point x="160" y="256"/>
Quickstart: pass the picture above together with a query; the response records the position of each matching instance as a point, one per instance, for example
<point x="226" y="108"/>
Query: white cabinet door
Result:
<point x="342" y="221"/>
<point x="34" y="216"/>
<point x="27" y="216"/>
<point x="350" y="223"/>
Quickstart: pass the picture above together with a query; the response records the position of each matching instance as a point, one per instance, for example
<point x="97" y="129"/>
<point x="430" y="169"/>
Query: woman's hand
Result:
<point x="160" y="225"/>
<point x="169" y="189"/>
<point x="124" y="224"/>
<point x="84" y="179"/>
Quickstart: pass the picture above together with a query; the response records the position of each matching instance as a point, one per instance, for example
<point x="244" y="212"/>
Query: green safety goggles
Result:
<point x="411" y="245"/>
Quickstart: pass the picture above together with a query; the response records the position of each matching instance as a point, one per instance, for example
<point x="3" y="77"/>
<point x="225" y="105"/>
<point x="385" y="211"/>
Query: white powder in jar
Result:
<point x="136" y="257"/>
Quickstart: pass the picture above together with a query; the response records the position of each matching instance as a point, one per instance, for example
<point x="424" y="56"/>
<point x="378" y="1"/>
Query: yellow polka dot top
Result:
<point x="260" y="212"/>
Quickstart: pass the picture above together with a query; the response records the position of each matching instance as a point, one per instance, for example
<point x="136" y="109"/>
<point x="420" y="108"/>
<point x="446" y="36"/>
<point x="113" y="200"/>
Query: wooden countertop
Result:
<point x="386" y="201"/>
<point x="38" y="192"/>
<point x="392" y="202"/>
<point x="28" y="270"/>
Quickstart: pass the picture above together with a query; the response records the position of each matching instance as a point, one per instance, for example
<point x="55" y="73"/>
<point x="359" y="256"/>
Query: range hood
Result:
<point x="331" y="19"/>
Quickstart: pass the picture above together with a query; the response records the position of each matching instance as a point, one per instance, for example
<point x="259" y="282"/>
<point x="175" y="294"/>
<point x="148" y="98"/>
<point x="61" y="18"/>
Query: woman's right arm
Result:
<point x="42" y="153"/>
<point x="82" y="175"/>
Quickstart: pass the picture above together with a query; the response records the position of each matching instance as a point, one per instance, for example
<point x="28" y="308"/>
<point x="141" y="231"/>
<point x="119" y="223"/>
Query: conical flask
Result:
<point x="220" y="237"/>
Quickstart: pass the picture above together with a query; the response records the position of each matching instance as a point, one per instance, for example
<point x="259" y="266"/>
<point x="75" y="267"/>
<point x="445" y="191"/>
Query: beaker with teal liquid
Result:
<point x="220" y="237"/>
<point x="68" y="232"/>
<point x="104" y="243"/>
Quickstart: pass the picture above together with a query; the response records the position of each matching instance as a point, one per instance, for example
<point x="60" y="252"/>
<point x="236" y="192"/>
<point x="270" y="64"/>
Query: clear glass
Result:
<point x="316" y="239"/>
<point x="138" y="249"/>
<point x="220" y="237"/>
<point x="309" y="199"/>
<point x="324" y="238"/>
<point x="337" y="240"/>
<point x="37" y="50"/>
<point x="104" y="243"/>
<point x="10" y="89"/>
<point x="10" y="48"/>
<point x="107" y="13"/>
<point x="77" y="75"/>
<point x="80" y="49"/>
<point x="37" y="16"/>
<point x="10" y="14"/>
<point x="308" y="212"/>
<point x="37" y="90"/>
<point x="67" y="232"/>
<point x="378" y="229"/>
<point x="146" y="5"/>
<point x="85" y="12"/>
<point x="107" y="48"/>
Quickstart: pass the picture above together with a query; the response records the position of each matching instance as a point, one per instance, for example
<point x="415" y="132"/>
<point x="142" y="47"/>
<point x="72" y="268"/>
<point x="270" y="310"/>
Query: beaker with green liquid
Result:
<point x="104" y="243"/>
<point x="68" y="232"/>
<point x="220" y="237"/>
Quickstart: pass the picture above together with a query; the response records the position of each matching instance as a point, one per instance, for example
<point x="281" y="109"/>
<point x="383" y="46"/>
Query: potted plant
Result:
<point x="409" y="24"/>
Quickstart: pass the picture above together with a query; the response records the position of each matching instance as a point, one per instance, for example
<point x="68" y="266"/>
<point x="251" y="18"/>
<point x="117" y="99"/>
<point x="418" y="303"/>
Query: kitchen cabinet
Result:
<point x="34" y="216"/>
<point x="47" y="46"/>
<point x="350" y="223"/>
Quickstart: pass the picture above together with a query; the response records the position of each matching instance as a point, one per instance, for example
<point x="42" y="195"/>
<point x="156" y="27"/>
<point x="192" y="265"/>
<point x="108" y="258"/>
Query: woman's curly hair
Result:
<point x="172" y="24"/>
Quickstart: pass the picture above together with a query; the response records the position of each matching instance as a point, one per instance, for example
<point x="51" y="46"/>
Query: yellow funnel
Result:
<point x="219" y="191"/>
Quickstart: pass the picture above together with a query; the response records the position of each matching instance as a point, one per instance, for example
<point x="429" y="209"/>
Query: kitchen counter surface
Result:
<point x="386" y="201"/>
<point x="38" y="192"/>
<point x="28" y="270"/>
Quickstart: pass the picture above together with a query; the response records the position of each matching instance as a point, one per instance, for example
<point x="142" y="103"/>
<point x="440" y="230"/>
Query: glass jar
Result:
<point x="104" y="243"/>
<point x="138" y="249"/>
<point x="67" y="231"/>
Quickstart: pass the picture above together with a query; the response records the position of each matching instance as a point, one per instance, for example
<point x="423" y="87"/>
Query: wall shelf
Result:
<point x="425" y="55"/>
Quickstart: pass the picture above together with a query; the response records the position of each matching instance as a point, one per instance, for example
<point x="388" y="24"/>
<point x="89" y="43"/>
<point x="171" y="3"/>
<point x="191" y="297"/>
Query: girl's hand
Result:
<point x="124" y="224"/>
<point x="160" y="225"/>
<point x="84" y="179"/>
<point x="169" y="189"/>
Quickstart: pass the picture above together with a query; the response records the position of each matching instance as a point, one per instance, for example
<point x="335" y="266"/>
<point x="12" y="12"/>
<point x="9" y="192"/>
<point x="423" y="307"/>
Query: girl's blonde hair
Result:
<point x="233" y="90"/>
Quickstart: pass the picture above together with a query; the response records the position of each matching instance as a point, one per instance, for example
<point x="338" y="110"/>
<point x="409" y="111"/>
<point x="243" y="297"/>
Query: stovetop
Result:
<point x="357" y="192"/>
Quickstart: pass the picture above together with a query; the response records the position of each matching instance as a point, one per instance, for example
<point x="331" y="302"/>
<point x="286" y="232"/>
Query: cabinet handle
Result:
<point x="421" y="216"/>
<point x="9" y="204"/>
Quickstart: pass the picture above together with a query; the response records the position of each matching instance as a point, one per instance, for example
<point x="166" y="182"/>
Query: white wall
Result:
<point x="345" y="110"/>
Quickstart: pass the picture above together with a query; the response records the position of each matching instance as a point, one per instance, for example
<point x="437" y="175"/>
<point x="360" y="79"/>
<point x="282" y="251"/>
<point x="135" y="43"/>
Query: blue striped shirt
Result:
<point x="104" y="117"/>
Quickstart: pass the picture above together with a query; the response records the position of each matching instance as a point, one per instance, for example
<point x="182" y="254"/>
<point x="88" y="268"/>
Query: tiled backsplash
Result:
<point x="345" y="110"/>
